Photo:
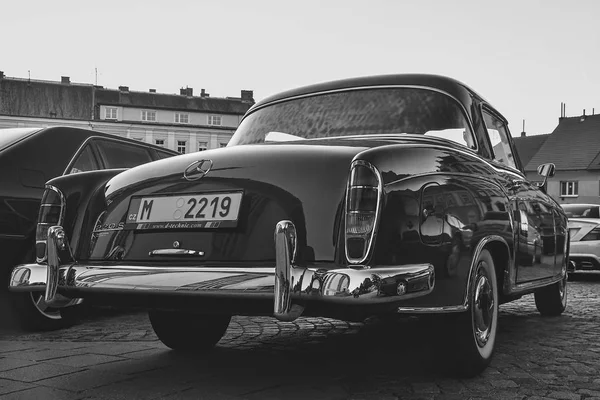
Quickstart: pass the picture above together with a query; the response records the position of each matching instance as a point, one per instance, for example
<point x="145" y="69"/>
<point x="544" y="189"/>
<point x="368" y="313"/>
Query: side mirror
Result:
<point x="546" y="170"/>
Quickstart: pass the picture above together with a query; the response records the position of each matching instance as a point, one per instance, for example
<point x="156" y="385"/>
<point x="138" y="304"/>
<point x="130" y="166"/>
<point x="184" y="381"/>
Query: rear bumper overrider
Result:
<point x="290" y="286"/>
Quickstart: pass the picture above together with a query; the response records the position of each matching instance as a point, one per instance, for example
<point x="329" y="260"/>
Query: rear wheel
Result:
<point x="552" y="300"/>
<point x="33" y="314"/>
<point x="474" y="332"/>
<point x="187" y="331"/>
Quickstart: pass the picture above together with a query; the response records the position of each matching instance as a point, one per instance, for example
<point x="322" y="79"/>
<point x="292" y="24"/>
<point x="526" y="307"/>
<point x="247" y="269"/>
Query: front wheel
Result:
<point x="551" y="300"/>
<point x="474" y="332"/>
<point x="187" y="331"/>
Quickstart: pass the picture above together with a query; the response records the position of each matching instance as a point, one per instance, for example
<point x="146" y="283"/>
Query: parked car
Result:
<point x="320" y="205"/>
<point x="29" y="157"/>
<point x="582" y="210"/>
<point x="585" y="238"/>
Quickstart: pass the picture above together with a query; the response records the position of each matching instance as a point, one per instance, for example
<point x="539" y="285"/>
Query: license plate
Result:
<point x="206" y="210"/>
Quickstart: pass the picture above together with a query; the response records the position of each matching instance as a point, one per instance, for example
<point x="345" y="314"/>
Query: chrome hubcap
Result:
<point x="483" y="308"/>
<point x="42" y="307"/>
<point x="562" y="289"/>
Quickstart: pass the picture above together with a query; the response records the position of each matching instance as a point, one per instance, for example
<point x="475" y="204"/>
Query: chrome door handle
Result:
<point x="176" y="252"/>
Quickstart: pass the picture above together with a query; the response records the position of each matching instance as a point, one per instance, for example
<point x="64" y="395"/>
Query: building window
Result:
<point x="214" y="120"/>
<point x="181" y="145"/>
<point x="110" y="113"/>
<point x="148" y="115"/>
<point x="160" y="142"/>
<point x="202" y="146"/>
<point x="222" y="144"/>
<point x="182" y="118"/>
<point x="569" y="188"/>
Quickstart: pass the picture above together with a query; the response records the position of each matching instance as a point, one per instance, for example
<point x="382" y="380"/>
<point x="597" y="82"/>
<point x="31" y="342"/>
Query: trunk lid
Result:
<point x="265" y="183"/>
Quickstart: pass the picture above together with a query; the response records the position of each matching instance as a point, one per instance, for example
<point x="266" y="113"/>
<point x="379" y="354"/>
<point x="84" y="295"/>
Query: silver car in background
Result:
<point x="584" y="231"/>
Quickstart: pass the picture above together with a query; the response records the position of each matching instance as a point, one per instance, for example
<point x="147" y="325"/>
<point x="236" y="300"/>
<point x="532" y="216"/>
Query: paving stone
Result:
<point x="10" y="386"/>
<point x="84" y="360"/>
<point x="564" y="396"/>
<point x="8" y="363"/>
<point x="40" y="392"/>
<point x="37" y="372"/>
<point x="551" y="358"/>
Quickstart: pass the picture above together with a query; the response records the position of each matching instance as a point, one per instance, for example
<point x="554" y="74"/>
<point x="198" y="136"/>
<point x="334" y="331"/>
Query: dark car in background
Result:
<point x="29" y="157"/>
<point x="385" y="195"/>
<point x="584" y="229"/>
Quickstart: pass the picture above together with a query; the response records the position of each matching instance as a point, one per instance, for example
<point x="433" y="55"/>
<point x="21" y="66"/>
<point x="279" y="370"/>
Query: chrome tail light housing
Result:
<point x="51" y="213"/>
<point x="363" y="207"/>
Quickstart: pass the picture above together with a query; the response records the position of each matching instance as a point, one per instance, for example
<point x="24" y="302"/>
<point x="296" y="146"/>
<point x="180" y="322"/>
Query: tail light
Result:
<point x="362" y="210"/>
<point x="594" y="234"/>
<point x="51" y="214"/>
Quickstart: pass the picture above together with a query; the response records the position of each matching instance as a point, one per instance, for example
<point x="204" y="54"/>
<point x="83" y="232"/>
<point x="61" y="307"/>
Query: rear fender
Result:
<point x="84" y="197"/>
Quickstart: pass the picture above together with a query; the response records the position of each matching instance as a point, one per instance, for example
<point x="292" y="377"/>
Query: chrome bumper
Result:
<point x="290" y="285"/>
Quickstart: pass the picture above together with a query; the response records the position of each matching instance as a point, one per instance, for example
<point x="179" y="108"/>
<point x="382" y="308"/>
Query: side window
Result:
<point x="85" y="161"/>
<point x="499" y="140"/>
<point x="122" y="155"/>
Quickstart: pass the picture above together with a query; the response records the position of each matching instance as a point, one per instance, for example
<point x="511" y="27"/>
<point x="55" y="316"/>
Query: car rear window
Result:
<point x="373" y="111"/>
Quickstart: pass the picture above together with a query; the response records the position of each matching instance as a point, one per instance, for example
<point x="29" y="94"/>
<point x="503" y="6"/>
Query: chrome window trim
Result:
<point x="370" y="87"/>
<point x="490" y="110"/>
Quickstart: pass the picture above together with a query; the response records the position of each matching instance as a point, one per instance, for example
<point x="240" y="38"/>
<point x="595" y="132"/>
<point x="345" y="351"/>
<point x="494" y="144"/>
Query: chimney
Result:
<point x="190" y="91"/>
<point x="152" y="90"/>
<point x="247" y="95"/>
<point x="124" y="88"/>
<point x="1" y="75"/>
<point x="182" y="91"/>
<point x="65" y="79"/>
<point x="523" y="134"/>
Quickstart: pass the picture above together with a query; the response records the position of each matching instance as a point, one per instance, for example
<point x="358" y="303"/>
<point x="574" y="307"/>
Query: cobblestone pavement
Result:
<point x="117" y="356"/>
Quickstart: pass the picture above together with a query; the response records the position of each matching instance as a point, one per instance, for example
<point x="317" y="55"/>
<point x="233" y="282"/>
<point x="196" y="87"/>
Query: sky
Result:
<point x="525" y="57"/>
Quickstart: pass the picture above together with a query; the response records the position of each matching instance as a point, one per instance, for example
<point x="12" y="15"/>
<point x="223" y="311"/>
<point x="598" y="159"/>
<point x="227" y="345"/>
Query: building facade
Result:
<point x="181" y="122"/>
<point x="574" y="147"/>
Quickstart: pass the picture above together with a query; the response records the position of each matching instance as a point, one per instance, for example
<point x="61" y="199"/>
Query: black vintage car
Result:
<point x="29" y="157"/>
<point x="381" y="195"/>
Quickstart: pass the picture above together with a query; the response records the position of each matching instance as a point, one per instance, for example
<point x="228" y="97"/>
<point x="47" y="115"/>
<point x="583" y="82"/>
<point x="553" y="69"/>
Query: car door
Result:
<point x="534" y="255"/>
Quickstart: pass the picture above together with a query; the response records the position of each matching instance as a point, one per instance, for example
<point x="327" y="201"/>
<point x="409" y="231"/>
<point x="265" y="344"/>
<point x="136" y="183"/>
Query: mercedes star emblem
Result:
<point x="197" y="169"/>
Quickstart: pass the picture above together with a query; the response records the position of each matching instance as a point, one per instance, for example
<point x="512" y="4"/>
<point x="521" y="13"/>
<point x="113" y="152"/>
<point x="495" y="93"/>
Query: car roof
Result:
<point x="449" y="85"/>
<point x="28" y="132"/>
<point x="10" y="136"/>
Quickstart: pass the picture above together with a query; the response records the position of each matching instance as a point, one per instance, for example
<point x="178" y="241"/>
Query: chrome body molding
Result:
<point x="290" y="286"/>
<point x="431" y="310"/>
<point x="529" y="286"/>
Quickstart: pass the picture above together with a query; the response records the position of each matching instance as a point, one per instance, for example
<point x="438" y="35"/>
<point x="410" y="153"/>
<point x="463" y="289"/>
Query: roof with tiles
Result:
<point x="573" y="145"/>
<point x="187" y="102"/>
<point x="528" y="146"/>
